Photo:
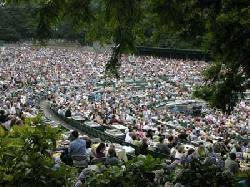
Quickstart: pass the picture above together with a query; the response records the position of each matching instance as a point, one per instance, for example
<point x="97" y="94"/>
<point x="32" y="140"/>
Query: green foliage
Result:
<point x="25" y="158"/>
<point x="199" y="174"/>
<point x="149" y="172"/>
<point x="16" y="24"/>
<point x="212" y="72"/>
<point x="243" y="174"/>
<point x="129" y="22"/>
<point x="19" y="23"/>
<point x="183" y="18"/>
<point x="138" y="171"/>
<point x="121" y="17"/>
<point x="222" y="27"/>
<point x="224" y="87"/>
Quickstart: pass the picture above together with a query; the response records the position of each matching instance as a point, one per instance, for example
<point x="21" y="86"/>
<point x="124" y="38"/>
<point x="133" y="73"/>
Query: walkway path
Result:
<point x="48" y="113"/>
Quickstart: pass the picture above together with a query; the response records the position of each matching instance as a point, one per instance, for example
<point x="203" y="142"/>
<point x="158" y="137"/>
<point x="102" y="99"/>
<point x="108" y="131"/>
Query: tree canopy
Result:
<point x="223" y="28"/>
<point x="15" y="24"/>
<point x="19" y="23"/>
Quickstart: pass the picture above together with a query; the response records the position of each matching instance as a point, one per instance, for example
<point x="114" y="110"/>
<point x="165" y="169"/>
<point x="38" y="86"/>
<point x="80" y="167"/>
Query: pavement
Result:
<point x="48" y="113"/>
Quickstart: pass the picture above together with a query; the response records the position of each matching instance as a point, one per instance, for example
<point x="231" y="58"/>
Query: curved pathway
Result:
<point x="48" y="113"/>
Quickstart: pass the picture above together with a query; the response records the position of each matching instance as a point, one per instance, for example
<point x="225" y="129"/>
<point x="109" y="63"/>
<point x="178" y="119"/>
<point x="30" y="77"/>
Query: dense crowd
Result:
<point x="151" y="104"/>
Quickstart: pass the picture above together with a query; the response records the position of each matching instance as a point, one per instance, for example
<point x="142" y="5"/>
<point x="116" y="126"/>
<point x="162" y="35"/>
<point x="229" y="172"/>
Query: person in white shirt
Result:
<point x="146" y="113"/>
<point x="23" y="100"/>
<point x="18" y="105"/>
<point x="13" y="110"/>
<point x="128" y="138"/>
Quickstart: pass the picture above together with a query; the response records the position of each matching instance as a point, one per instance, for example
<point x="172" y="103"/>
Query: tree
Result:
<point x="222" y="26"/>
<point x="19" y="23"/>
<point x="25" y="159"/>
<point x="16" y="24"/>
<point x="138" y="171"/>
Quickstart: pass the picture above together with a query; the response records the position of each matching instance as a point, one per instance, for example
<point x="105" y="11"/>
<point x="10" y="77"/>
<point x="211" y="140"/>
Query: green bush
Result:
<point x="152" y="172"/>
<point x="139" y="171"/>
<point x="25" y="158"/>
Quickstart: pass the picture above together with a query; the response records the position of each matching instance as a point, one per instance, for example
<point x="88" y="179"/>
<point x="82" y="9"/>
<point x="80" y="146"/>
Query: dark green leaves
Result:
<point x="222" y="27"/>
<point x="24" y="159"/>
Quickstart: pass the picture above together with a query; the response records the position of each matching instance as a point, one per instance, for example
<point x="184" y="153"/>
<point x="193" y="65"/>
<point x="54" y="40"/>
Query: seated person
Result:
<point x="128" y="138"/>
<point x="220" y="161"/>
<point x="231" y="163"/>
<point x="149" y="134"/>
<point x="68" y="113"/>
<point x="190" y="155"/>
<point x="112" y="158"/>
<point x="201" y="151"/>
<point x="163" y="147"/>
<point x="115" y="119"/>
<point x="162" y="129"/>
<point x="98" y="119"/>
<point x="140" y="134"/>
<point x="77" y="151"/>
<point x="158" y="131"/>
<point x="100" y="150"/>
<point x="77" y="146"/>
<point x="144" y="146"/>
<point x="171" y="142"/>
<point x="135" y="140"/>
<point x="239" y="153"/>
<point x="210" y="156"/>
<point x="65" y="157"/>
<point x="183" y="136"/>
<point x="179" y="154"/>
<point x="3" y="116"/>
<point x="88" y="146"/>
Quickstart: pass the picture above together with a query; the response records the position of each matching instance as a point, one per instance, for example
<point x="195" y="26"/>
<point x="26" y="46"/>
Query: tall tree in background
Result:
<point x="19" y="23"/>
<point x="16" y="24"/>
<point x="223" y="27"/>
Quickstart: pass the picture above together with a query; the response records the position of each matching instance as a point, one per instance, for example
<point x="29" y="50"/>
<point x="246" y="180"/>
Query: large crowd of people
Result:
<point x="151" y="104"/>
